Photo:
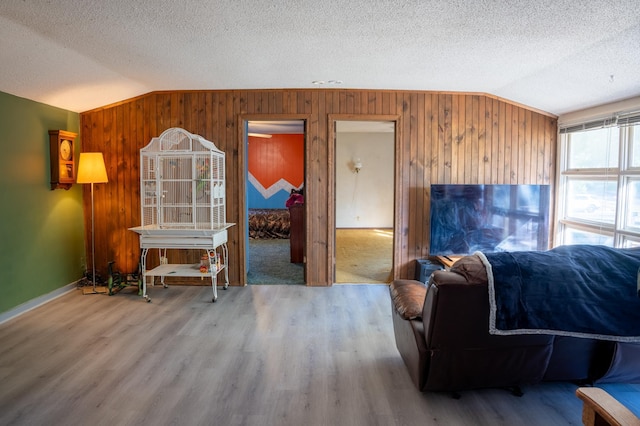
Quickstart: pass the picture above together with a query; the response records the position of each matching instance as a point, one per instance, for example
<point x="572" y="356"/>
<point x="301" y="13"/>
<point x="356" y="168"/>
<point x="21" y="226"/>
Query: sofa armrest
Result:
<point x="600" y="408"/>
<point x="407" y="297"/>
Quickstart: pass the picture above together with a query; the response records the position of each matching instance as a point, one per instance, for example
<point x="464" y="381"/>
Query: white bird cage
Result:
<point x="182" y="182"/>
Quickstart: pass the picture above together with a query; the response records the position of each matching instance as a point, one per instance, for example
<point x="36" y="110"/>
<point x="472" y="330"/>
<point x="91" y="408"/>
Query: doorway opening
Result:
<point x="364" y="203"/>
<point x="274" y="172"/>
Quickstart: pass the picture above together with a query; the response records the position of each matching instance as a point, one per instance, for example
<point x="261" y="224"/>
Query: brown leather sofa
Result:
<point x="442" y="333"/>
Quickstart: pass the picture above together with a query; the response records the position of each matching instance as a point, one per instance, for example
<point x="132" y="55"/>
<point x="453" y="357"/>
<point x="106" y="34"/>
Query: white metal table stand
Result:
<point x="214" y="242"/>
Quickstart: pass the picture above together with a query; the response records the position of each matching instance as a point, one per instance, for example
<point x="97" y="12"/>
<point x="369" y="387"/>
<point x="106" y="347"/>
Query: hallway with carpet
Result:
<point x="363" y="256"/>
<point x="269" y="263"/>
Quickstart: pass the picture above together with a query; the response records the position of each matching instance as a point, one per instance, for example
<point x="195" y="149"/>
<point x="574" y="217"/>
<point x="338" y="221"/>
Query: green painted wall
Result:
<point x="41" y="231"/>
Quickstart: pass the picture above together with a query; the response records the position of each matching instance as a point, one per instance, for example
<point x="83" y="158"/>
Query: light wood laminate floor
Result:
<point x="260" y="355"/>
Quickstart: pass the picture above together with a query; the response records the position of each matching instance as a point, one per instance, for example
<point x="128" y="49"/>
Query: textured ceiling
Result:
<point x="554" y="55"/>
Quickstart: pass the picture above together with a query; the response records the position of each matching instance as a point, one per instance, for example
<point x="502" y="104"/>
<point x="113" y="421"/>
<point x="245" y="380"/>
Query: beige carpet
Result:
<point x="364" y="255"/>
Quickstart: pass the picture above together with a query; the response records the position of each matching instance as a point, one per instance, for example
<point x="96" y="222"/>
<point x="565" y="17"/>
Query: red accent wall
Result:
<point x="280" y="157"/>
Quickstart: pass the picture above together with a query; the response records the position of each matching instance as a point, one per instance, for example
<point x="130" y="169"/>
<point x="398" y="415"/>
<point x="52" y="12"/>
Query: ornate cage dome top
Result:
<point x="182" y="183"/>
<point x="176" y="139"/>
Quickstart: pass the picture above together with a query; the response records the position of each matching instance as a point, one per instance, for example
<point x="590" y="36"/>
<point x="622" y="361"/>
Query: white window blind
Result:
<point x="626" y="119"/>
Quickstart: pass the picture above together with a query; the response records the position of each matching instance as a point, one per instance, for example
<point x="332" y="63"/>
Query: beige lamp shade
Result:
<point x="91" y="168"/>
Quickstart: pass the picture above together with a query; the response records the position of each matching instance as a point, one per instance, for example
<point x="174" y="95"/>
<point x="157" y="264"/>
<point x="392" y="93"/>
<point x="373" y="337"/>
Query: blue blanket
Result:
<point x="580" y="290"/>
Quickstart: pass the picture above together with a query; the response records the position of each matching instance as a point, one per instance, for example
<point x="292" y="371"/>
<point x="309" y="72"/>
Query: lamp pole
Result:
<point x="93" y="244"/>
<point x="92" y="170"/>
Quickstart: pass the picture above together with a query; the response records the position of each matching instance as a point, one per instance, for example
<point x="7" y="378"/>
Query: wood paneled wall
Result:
<point x="441" y="138"/>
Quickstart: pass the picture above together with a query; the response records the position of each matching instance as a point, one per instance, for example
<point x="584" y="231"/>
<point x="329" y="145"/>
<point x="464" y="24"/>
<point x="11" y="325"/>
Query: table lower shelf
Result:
<point x="180" y="270"/>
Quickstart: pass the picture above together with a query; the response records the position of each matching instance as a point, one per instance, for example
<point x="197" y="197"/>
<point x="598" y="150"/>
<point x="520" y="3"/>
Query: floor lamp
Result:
<point x="91" y="170"/>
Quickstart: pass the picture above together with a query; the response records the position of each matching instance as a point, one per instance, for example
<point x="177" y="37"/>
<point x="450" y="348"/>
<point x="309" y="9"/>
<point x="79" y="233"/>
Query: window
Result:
<point x="599" y="185"/>
<point x="635" y="149"/>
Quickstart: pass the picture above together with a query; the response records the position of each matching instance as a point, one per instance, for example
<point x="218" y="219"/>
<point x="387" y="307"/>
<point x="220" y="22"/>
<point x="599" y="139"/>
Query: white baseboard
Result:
<point x="38" y="301"/>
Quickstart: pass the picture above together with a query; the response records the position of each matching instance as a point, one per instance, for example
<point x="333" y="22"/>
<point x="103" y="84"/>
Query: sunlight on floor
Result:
<point x="383" y="232"/>
<point x="364" y="255"/>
